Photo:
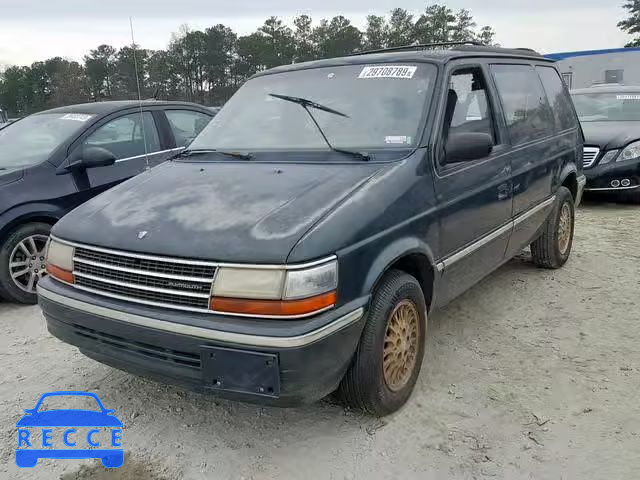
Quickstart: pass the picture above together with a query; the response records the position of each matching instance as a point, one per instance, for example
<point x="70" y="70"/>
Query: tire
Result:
<point x="365" y="385"/>
<point x="553" y="247"/>
<point x="11" y="250"/>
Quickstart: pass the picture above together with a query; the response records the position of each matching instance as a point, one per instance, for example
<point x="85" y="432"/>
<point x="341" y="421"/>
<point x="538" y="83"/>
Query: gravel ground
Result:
<point x="531" y="374"/>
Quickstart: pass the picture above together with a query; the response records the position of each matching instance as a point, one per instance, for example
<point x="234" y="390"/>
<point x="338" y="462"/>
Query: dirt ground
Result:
<point x="532" y="374"/>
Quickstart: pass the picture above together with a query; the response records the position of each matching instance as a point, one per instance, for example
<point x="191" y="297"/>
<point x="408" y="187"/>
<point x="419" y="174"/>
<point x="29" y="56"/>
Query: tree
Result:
<point x="377" y="33"/>
<point x="401" y="28"/>
<point x="279" y="48"/>
<point x="303" y="39"/>
<point x="487" y="36"/>
<point x="337" y="38"/>
<point x="100" y="67"/>
<point x="160" y="78"/>
<point x="632" y="24"/>
<point x="463" y="29"/>
<point x="435" y="25"/>
<point x="220" y="50"/>
<point x="126" y="78"/>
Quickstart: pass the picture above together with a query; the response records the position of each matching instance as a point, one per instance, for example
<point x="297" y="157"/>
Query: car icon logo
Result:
<point x="142" y="234"/>
<point x="93" y="444"/>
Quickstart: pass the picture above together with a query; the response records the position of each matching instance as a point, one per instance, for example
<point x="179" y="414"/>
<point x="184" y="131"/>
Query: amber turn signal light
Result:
<point x="60" y="274"/>
<point x="304" y="306"/>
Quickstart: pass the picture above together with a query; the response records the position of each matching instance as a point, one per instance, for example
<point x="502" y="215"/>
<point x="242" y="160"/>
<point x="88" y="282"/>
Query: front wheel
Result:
<point x="22" y="262"/>
<point x="553" y="247"/>
<point x="387" y="361"/>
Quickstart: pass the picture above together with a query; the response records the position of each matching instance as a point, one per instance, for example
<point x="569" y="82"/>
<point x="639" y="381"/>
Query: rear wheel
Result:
<point x="553" y="247"/>
<point x="387" y="361"/>
<point x="22" y="262"/>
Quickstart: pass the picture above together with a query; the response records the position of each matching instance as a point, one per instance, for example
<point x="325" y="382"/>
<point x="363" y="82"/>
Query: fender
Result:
<point x="567" y="170"/>
<point x="28" y="211"/>
<point x="392" y="253"/>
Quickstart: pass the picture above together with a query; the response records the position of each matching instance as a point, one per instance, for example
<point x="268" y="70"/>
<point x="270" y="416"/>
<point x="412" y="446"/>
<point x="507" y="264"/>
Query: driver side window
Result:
<point x="125" y="136"/>
<point x="467" y="111"/>
<point x="467" y="108"/>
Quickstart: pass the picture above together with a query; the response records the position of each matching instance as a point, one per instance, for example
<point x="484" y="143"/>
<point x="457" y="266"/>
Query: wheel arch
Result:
<point x="569" y="179"/>
<point x="32" y="216"/>
<point x="411" y="256"/>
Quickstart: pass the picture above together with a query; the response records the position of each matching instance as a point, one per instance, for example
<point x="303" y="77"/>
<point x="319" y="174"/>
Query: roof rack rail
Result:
<point x="419" y="46"/>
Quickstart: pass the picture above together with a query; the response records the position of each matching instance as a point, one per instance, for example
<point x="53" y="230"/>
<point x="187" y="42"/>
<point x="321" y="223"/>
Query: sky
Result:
<point x="34" y="30"/>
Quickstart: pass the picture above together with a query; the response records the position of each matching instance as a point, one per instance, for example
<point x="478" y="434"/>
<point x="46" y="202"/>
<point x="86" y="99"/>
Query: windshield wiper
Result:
<point x="203" y="151"/>
<point x="306" y="104"/>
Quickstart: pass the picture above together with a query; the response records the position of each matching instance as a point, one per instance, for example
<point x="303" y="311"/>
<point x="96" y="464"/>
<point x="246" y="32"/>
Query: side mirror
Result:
<point x="91" y="157"/>
<point x="465" y="147"/>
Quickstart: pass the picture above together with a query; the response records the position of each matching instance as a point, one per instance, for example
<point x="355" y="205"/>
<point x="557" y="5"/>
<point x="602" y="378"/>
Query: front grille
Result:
<point x="159" y="353"/>
<point x="173" y="267"/>
<point x="590" y="156"/>
<point x="165" y="282"/>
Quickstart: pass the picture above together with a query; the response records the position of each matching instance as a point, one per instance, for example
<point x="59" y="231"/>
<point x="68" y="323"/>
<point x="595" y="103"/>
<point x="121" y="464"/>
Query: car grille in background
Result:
<point x="590" y="156"/>
<point x="165" y="282"/>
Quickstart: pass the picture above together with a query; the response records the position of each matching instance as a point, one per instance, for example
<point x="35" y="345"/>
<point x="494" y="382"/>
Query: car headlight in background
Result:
<point x="610" y="156"/>
<point x="631" y="152"/>
<point x="60" y="261"/>
<point x="275" y="291"/>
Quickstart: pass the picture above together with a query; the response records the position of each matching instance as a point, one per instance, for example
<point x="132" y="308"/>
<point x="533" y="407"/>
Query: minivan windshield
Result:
<point x="31" y="140"/>
<point x="382" y="106"/>
<point x="607" y="107"/>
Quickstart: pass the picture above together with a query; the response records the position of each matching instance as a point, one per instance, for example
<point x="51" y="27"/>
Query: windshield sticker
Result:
<point x="628" y="97"/>
<point x="397" y="139"/>
<point x="78" y="117"/>
<point x="388" y="71"/>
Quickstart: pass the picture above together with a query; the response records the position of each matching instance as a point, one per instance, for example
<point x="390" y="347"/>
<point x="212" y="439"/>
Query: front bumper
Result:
<point x="306" y="359"/>
<point x="599" y="178"/>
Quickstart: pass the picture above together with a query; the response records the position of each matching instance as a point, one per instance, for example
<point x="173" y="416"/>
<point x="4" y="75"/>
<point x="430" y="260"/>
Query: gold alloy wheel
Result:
<point x="400" y="345"/>
<point x="564" y="228"/>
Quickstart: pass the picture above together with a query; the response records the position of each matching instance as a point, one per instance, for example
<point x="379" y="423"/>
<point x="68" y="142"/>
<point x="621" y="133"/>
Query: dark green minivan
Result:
<point x="297" y="247"/>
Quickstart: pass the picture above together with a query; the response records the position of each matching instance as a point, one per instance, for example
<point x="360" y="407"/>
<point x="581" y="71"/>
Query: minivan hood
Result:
<point x="610" y="135"/>
<point x="224" y="211"/>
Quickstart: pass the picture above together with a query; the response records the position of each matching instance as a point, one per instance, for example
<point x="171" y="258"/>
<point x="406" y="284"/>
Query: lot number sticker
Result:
<point x="628" y="97"/>
<point x="388" y="71"/>
<point x="78" y="117"/>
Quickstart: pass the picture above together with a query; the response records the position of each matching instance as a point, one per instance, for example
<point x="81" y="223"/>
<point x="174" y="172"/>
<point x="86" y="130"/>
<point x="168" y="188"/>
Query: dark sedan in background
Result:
<point x="610" y="118"/>
<point x="53" y="161"/>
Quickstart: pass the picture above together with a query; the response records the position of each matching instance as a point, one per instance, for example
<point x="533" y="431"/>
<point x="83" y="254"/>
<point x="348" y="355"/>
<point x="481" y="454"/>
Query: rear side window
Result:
<point x="186" y="125"/>
<point x="558" y="98"/>
<point x="524" y="102"/>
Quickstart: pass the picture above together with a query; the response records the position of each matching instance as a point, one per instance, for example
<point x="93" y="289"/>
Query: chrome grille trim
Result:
<point x="589" y="157"/>
<point x="143" y="302"/>
<point x="142" y="272"/>
<point x="136" y="286"/>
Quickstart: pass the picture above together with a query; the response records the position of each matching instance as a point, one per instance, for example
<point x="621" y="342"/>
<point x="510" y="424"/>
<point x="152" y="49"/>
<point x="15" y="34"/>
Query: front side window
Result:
<point x="125" y="136"/>
<point x="186" y="125"/>
<point x="558" y="97"/>
<point x="467" y="107"/>
<point x="524" y="102"/>
<point x="380" y="107"/>
<point x="607" y="107"/>
<point x="33" y="139"/>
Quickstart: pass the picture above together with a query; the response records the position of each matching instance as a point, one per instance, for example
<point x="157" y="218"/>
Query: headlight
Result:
<point x="248" y="283"/>
<point x="60" y="261"/>
<point x="610" y="156"/>
<point x="631" y="152"/>
<point x="275" y="292"/>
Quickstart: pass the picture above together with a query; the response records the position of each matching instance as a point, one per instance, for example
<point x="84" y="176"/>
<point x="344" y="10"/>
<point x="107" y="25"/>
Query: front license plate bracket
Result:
<point x="240" y="371"/>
